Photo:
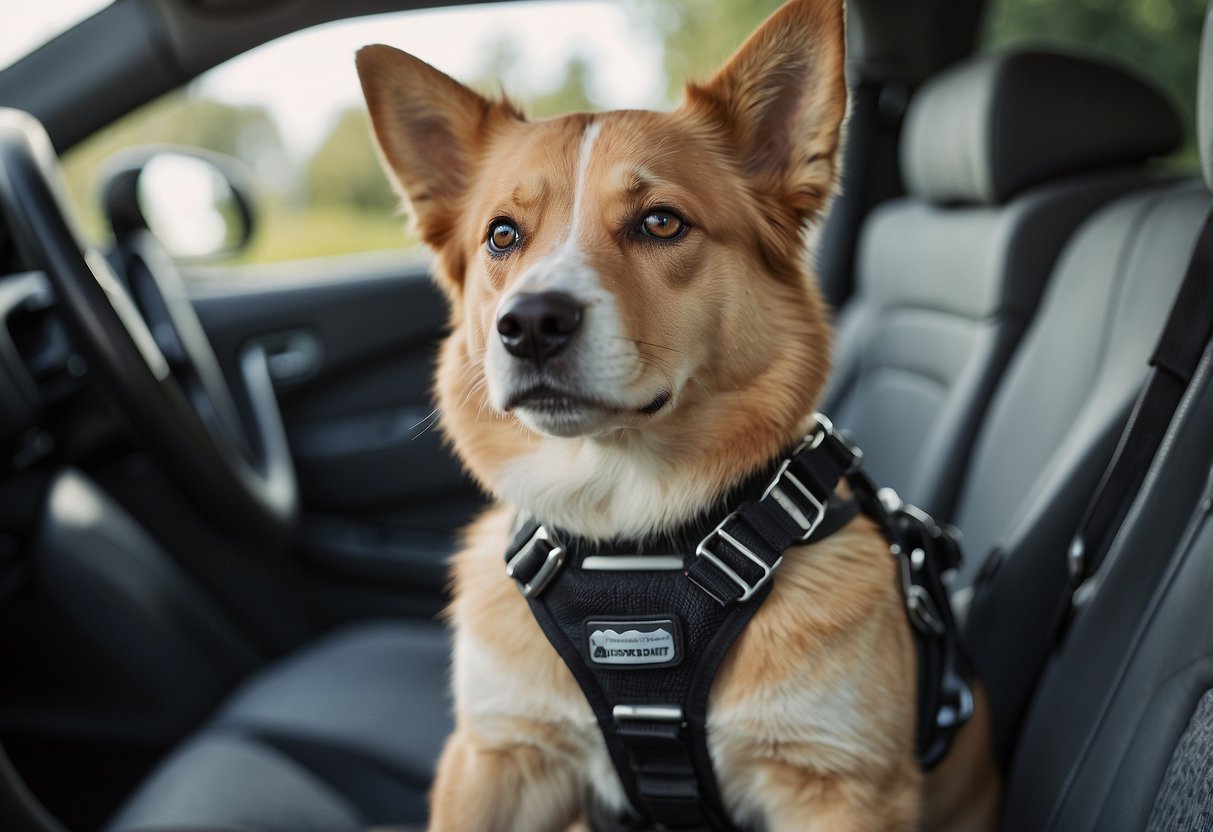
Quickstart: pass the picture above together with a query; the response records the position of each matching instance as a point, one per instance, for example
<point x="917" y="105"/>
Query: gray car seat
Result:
<point x="1053" y="425"/>
<point x="1119" y="735"/>
<point x="345" y="734"/>
<point x="1135" y="672"/>
<point x="948" y="277"/>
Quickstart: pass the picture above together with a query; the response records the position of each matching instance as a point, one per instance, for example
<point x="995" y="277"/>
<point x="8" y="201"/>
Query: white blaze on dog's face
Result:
<point x="626" y="274"/>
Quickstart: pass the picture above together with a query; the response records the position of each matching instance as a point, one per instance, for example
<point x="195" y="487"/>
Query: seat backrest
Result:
<point x="1136" y="667"/>
<point x="1003" y="157"/>
<point x="1119" y="734"/>
<point x="1053" y="424"/>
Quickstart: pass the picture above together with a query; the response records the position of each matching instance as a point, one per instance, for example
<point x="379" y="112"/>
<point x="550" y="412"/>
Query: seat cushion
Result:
<point x="1054" y="423"/>
<point x="342" y="735"/>
<point x="1103" y="746"/>
<point x="229" y="783"/>
<point x="1116" y="736"/>
<point x="1185" y="799"/>
<point x="378" y="689"/>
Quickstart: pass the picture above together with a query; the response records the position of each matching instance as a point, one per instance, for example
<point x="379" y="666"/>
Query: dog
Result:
<point x="634" y="331"/>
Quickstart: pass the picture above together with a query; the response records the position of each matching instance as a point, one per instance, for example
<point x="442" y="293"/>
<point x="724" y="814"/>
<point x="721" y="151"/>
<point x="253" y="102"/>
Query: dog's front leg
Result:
<point x="489" y="786"/>
<point x="798" y="801"/>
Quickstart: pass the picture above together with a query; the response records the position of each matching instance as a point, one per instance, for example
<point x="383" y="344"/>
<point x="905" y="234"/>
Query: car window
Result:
<point x="29" y="25"/>
<point x="1159" y="39"/>
<point x="292" y="110"/>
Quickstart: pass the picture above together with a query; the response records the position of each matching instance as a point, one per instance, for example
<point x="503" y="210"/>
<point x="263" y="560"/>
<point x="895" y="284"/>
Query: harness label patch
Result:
<point x="648" y="643"/>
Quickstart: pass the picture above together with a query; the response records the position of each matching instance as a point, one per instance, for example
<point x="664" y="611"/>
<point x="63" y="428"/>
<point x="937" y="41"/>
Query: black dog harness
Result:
<point x="644" y="627"/>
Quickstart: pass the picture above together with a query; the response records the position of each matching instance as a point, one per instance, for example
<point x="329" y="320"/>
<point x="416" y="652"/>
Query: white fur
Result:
<point x="487" y="690"/>
<point x="583" y="165"/>
<point x="624" y="488"/>
<point x="484" y="686"/>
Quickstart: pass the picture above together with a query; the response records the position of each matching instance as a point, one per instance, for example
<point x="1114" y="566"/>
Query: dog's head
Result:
<point x="626" y="284"/>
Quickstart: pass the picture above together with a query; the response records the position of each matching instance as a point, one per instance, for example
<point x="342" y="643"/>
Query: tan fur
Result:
<point x="811" y="716"/>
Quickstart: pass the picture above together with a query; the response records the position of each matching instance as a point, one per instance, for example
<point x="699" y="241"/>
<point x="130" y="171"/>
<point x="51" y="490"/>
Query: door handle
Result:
<point x="291" y="357"/>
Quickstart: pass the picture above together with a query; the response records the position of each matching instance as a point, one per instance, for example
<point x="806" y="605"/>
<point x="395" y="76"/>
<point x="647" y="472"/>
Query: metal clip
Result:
<point x="747" y="589"/>
<point x="648" y="713"/>
<point x="826" y="428"/>
<point x="922" y="611"/>
<point x="778" y="490"/>
<point x="958" y="706"/>
<point x="1076" y="558"/>
<point x="547" y="571"/>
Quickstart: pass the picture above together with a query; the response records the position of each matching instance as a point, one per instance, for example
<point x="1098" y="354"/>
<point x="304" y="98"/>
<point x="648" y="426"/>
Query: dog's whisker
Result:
<point x="423" y="430"/>
<point x="649" y="361"/>
<point x="469" y="365"/>
<point x="428" y="422"/>
<point x="465" y="369"/>
<point x="473" y="390"/>
<point x="639" y="342"/>
<point x="433" y="413"/>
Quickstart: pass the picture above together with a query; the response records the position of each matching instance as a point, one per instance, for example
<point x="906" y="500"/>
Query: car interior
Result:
<point x="223" y="534"/>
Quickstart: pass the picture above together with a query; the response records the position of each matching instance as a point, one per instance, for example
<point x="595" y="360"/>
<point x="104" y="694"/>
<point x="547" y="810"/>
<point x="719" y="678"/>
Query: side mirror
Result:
<point x="196" y="203"/>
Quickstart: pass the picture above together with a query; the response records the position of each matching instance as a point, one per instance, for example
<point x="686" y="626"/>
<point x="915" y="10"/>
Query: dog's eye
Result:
<point x="662" y="225"/>
<point x="503" y="235"/>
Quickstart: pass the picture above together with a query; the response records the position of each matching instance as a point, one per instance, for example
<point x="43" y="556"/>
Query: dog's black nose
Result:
<point x="538" y="326"/>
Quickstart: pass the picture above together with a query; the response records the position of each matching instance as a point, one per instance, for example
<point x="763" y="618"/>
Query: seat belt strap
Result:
<point x="1172" y="365"/>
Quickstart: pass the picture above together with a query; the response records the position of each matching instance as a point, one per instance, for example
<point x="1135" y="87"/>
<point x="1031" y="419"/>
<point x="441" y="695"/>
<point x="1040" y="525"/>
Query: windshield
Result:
<point x="29" y="25"/>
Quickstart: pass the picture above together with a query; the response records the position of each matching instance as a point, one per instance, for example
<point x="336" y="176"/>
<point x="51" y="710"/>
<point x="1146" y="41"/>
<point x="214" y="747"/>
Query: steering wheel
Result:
<point x="167" y="381"/>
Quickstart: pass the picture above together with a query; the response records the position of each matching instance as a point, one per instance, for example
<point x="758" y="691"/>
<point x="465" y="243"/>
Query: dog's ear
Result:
<point x="429" y="129"/>
<point x="783" y="96"/>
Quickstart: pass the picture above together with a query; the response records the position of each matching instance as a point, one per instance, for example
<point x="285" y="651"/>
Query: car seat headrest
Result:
<point x="991" y="127"/>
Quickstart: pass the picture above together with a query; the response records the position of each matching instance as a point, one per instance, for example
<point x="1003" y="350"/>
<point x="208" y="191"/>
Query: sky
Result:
<point x="307" y="78"/>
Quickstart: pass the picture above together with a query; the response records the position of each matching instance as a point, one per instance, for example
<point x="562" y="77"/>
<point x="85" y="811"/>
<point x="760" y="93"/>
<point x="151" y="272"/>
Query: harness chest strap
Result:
<point x="644" y="642"/>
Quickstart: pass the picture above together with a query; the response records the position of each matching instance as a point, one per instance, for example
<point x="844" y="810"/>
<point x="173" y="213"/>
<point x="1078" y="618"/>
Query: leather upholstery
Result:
<point x="352" y="667"/>
<point x="219" y="782"/>
<point x="342" y="735"/>
<point x="1122" y="689"/>
<point x="943" y="297"/>
<point x="1114" y="700"/>
<point x="987" y="130"/>
<point x="948" y="277"/>
<point x="1054" y="422"/>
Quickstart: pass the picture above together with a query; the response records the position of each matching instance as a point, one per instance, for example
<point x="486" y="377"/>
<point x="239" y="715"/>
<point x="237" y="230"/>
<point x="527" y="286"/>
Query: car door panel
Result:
<point x="352" y="342"/>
